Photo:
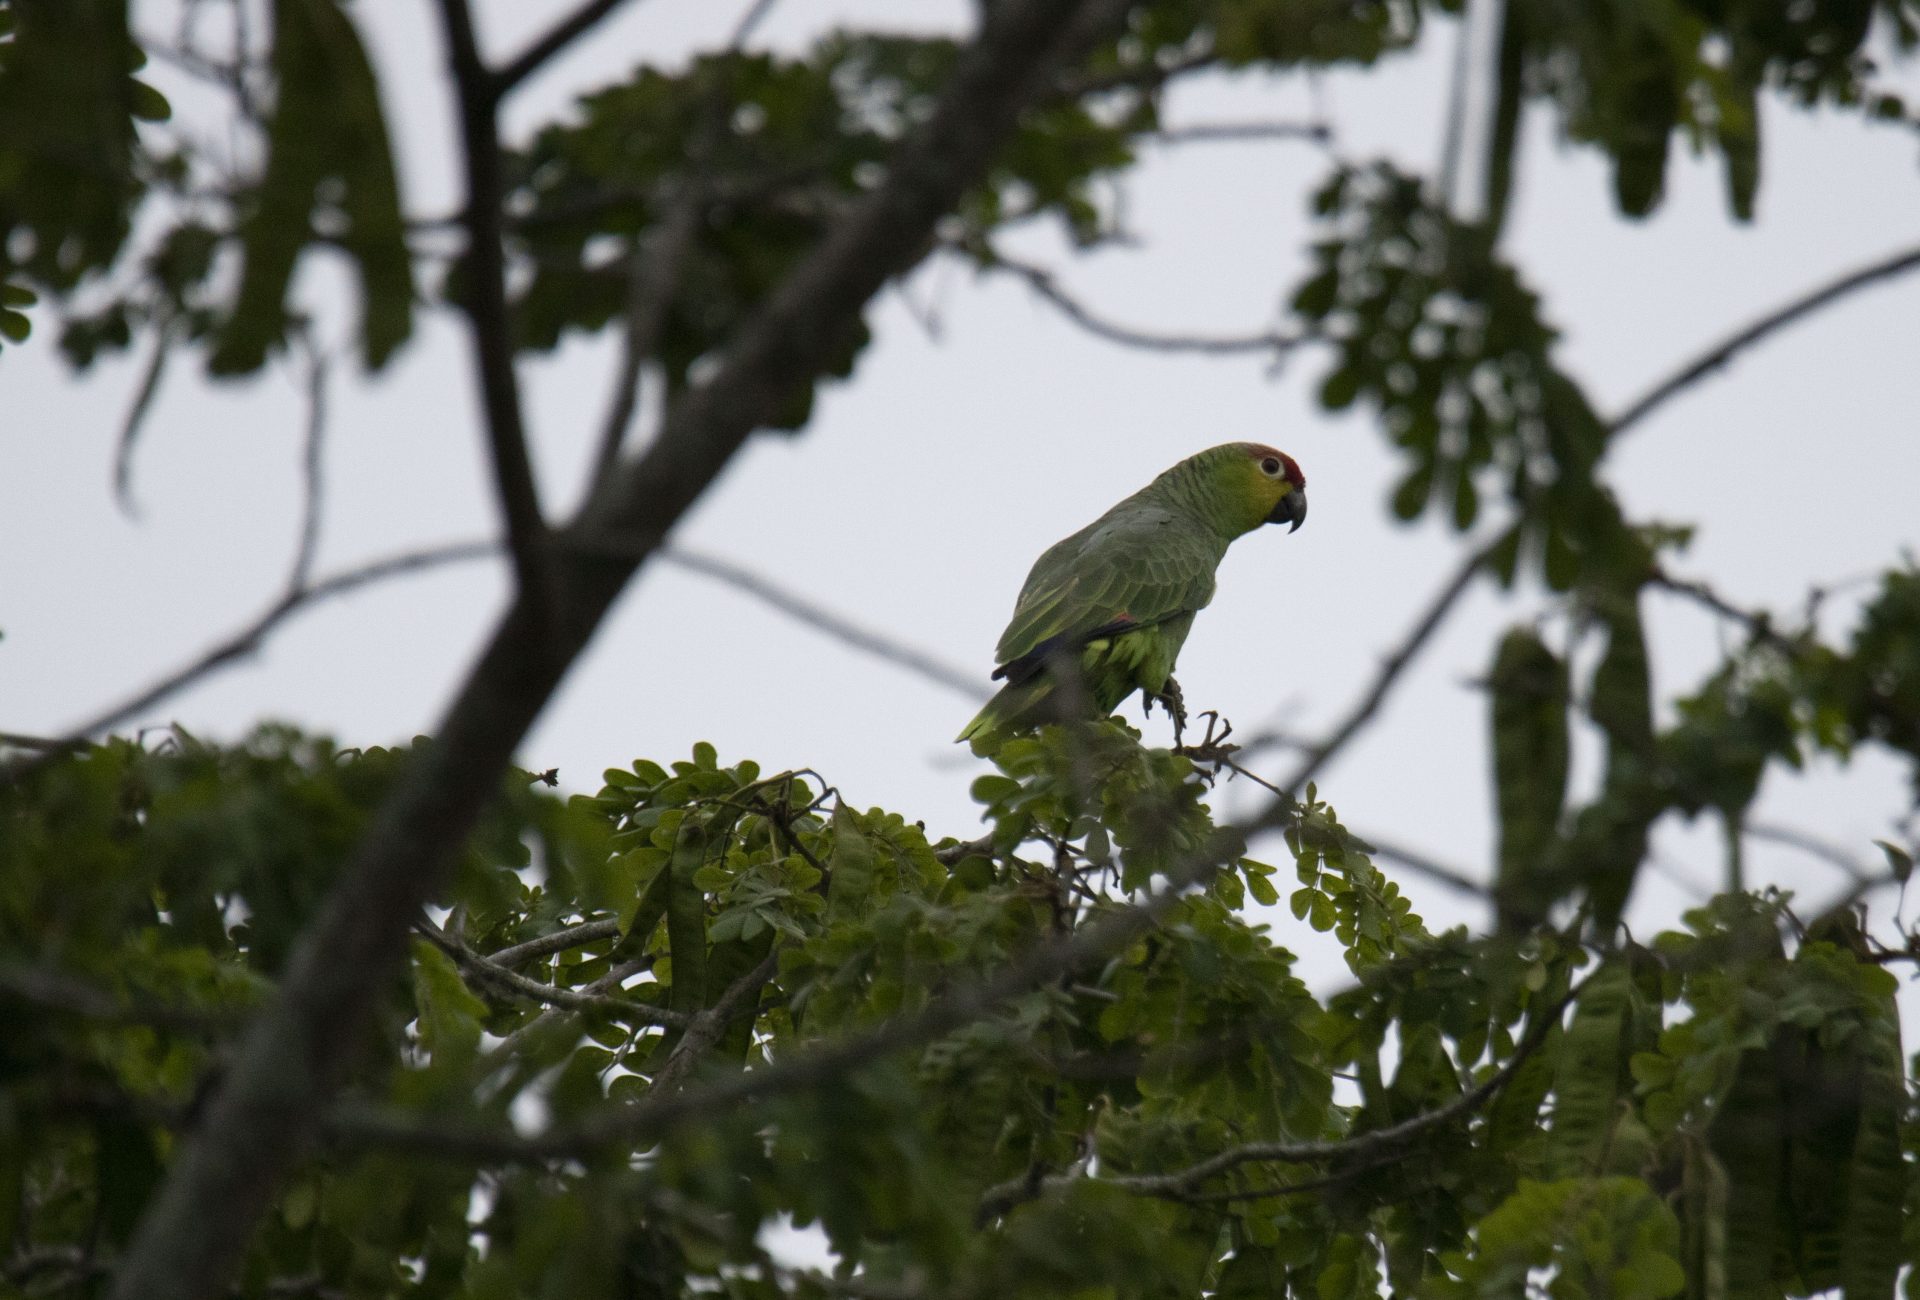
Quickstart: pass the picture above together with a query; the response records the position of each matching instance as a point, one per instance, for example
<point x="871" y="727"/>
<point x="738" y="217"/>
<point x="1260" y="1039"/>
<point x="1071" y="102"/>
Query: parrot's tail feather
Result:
<point x="1012" y="710"/>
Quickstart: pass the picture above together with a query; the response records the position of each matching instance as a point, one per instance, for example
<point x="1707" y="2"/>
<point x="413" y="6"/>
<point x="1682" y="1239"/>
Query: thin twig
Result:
<point x="821" y="619"/>
<point x="1043" y="282"/>
<point x="1813" y="845"/>
<point x="247" y="640"/>
<point x="653" y="280"/>
<point x="1416" y="861"/>
<point x="136" y="418"/>
<point x="312" y="484"/>
<point x="1725" y="351"/>
<point x="1242" y="132"/>
<point x="1396" y="663"/>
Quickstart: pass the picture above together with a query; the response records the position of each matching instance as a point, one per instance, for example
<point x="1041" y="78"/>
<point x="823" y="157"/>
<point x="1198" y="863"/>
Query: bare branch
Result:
<point x="500" y="977"/>
<point x="311" y="480"/>
<point x="825" y="621"/>
<point x="1043" y="282"/>
<point x="1759" y="625"/>
<point x="484" y="301"/>
<point x="1414" y="860"/>
<point x="653" y="280"/>
<point x="136" y="418"/>
<point x="1727" y="349"/>
<point x="248" y="639"/>
<point x="574" y="936"/>
<point x="270" y="1103"/>
<point x="1369" y="1146"/>
<point x="548" y="45"/>
<point x="60" y="992"/>
<point x="1318" y="133"/>
<point x="1396" y="663"/>
<point x="1831" y="854"/>
<point x="807" y="1066"/>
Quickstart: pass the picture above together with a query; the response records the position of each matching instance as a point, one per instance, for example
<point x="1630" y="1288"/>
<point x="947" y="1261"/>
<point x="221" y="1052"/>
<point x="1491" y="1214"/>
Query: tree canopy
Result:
<point x="287" y="1017"/>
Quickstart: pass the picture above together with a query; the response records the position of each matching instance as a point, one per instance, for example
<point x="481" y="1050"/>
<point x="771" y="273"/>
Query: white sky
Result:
<point x="923" y="489"/>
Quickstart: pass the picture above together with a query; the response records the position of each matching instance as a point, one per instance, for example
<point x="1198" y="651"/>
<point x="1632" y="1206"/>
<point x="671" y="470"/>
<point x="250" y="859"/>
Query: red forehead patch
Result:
<point x="1260" y="451"/>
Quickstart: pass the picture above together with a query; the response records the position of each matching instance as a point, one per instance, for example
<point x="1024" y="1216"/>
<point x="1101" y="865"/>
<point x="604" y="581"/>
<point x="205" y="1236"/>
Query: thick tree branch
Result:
<point x="1727" y="349"/>
<point x="548" y="45"/>
<point x="298" y="1052"/>
<point x="484" y="301"/>
<point x="574" y="936"/>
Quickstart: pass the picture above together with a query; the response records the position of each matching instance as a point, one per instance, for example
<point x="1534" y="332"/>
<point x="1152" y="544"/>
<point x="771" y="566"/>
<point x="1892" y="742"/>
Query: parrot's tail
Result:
<point x="1019" y="706"/>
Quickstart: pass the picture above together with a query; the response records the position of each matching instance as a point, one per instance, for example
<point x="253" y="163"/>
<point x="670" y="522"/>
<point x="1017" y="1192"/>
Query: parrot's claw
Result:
<point x="1176" y="706"/>
<point x="1213" y="748"/>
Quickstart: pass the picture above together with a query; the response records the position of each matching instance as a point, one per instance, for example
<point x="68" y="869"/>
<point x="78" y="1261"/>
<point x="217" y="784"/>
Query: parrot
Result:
<point x="1120" y="594"/>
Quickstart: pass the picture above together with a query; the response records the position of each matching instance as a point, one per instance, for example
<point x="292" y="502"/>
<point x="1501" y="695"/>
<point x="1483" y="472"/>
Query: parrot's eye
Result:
<point x="1270" y="467"/>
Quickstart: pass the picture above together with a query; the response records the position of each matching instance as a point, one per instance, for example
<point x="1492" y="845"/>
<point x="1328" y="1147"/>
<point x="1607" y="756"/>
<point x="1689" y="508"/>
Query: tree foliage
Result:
<point x="624" y="1037"/>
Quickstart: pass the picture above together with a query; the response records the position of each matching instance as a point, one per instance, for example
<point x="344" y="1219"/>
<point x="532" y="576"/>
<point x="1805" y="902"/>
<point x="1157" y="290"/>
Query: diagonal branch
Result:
<point x="548" y="45"/>
<point x="806" y="1067"/>
<point x="484" y="301"/>
<point x="1043" y="282"/>
<point x="824" y="620"/>
<point x="1727" y="349"/>
<point x="269" y="1105"/>
<point x="247" y="641"/>
<point x="1396" y="663"/>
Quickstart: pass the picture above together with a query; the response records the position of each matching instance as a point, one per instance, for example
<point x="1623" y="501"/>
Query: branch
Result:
<point x="60" y="992"/>
<point x="707" y="1027"/>
<point x="1759" y="625"/>
<point x="1812" y="845"/>
<point x="1044" y="283"/>
<point x="1318" y="133"/>
<point x="653" y="280"/>
<point x="484" y="300"/>
<point x="825" y="621"/>
<point x="807" y="1066"/>
<point x="1370" y="1146"/>
<point x="546" y="47"/>
<point x="270" y="1103"/>
<point x="574" y="936"/>
<point x="511" y="981"/>
<point x="311" y="478"/>
<point x="1725" y="351"/>
<point x="1396" y="663"/>
<point x="247" y="640"/>
<point x="1416" y="861"/>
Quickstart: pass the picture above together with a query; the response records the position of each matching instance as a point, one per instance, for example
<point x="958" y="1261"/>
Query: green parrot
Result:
<point x="1121" y="593"/>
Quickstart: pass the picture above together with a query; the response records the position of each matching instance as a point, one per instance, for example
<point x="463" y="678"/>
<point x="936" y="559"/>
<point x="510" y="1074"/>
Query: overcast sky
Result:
<point x="977" y="429"/>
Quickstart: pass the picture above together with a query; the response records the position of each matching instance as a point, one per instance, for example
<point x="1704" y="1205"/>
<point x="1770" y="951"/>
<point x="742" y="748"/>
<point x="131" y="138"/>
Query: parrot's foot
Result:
<point x="1176" y="706"/>
<point x="1213" y="748"/>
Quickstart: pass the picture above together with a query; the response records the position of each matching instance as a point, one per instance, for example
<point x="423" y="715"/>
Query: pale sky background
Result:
<point x="924" y="488"/>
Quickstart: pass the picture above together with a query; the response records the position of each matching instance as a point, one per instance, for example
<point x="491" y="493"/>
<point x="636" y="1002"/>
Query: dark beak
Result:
<point x="1291" y="510"/>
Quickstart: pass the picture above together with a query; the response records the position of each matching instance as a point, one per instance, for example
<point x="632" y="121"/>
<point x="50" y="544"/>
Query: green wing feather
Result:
<point x="1139" y="561"/>
<point x="1143" y="561"/>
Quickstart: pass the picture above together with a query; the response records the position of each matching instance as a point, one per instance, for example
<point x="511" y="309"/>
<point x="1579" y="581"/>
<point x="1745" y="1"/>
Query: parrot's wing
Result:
<point x="1135" y="569"/>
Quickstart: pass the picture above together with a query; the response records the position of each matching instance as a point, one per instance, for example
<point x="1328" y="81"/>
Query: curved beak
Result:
<point x="1291" y="510"/>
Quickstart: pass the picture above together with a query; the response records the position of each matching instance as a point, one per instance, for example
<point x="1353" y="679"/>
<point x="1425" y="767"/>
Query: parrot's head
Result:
<point x="1271" y="483"/>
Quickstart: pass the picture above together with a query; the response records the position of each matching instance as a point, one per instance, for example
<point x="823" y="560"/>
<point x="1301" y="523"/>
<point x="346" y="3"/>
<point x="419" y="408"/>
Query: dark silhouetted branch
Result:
<point x="1243" y="133"/>
<point x="484" y="301"/>
<point x="494" y="975"/>
<point x="1396" y="663"/>
<point x="1727" y="349"/>
<point x="1275" y="343"/>
<point x="271" y="1102"/>
<point x="548" y="45"/>
<point x="823" y="620"/>
<point x="247" y="640"/>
